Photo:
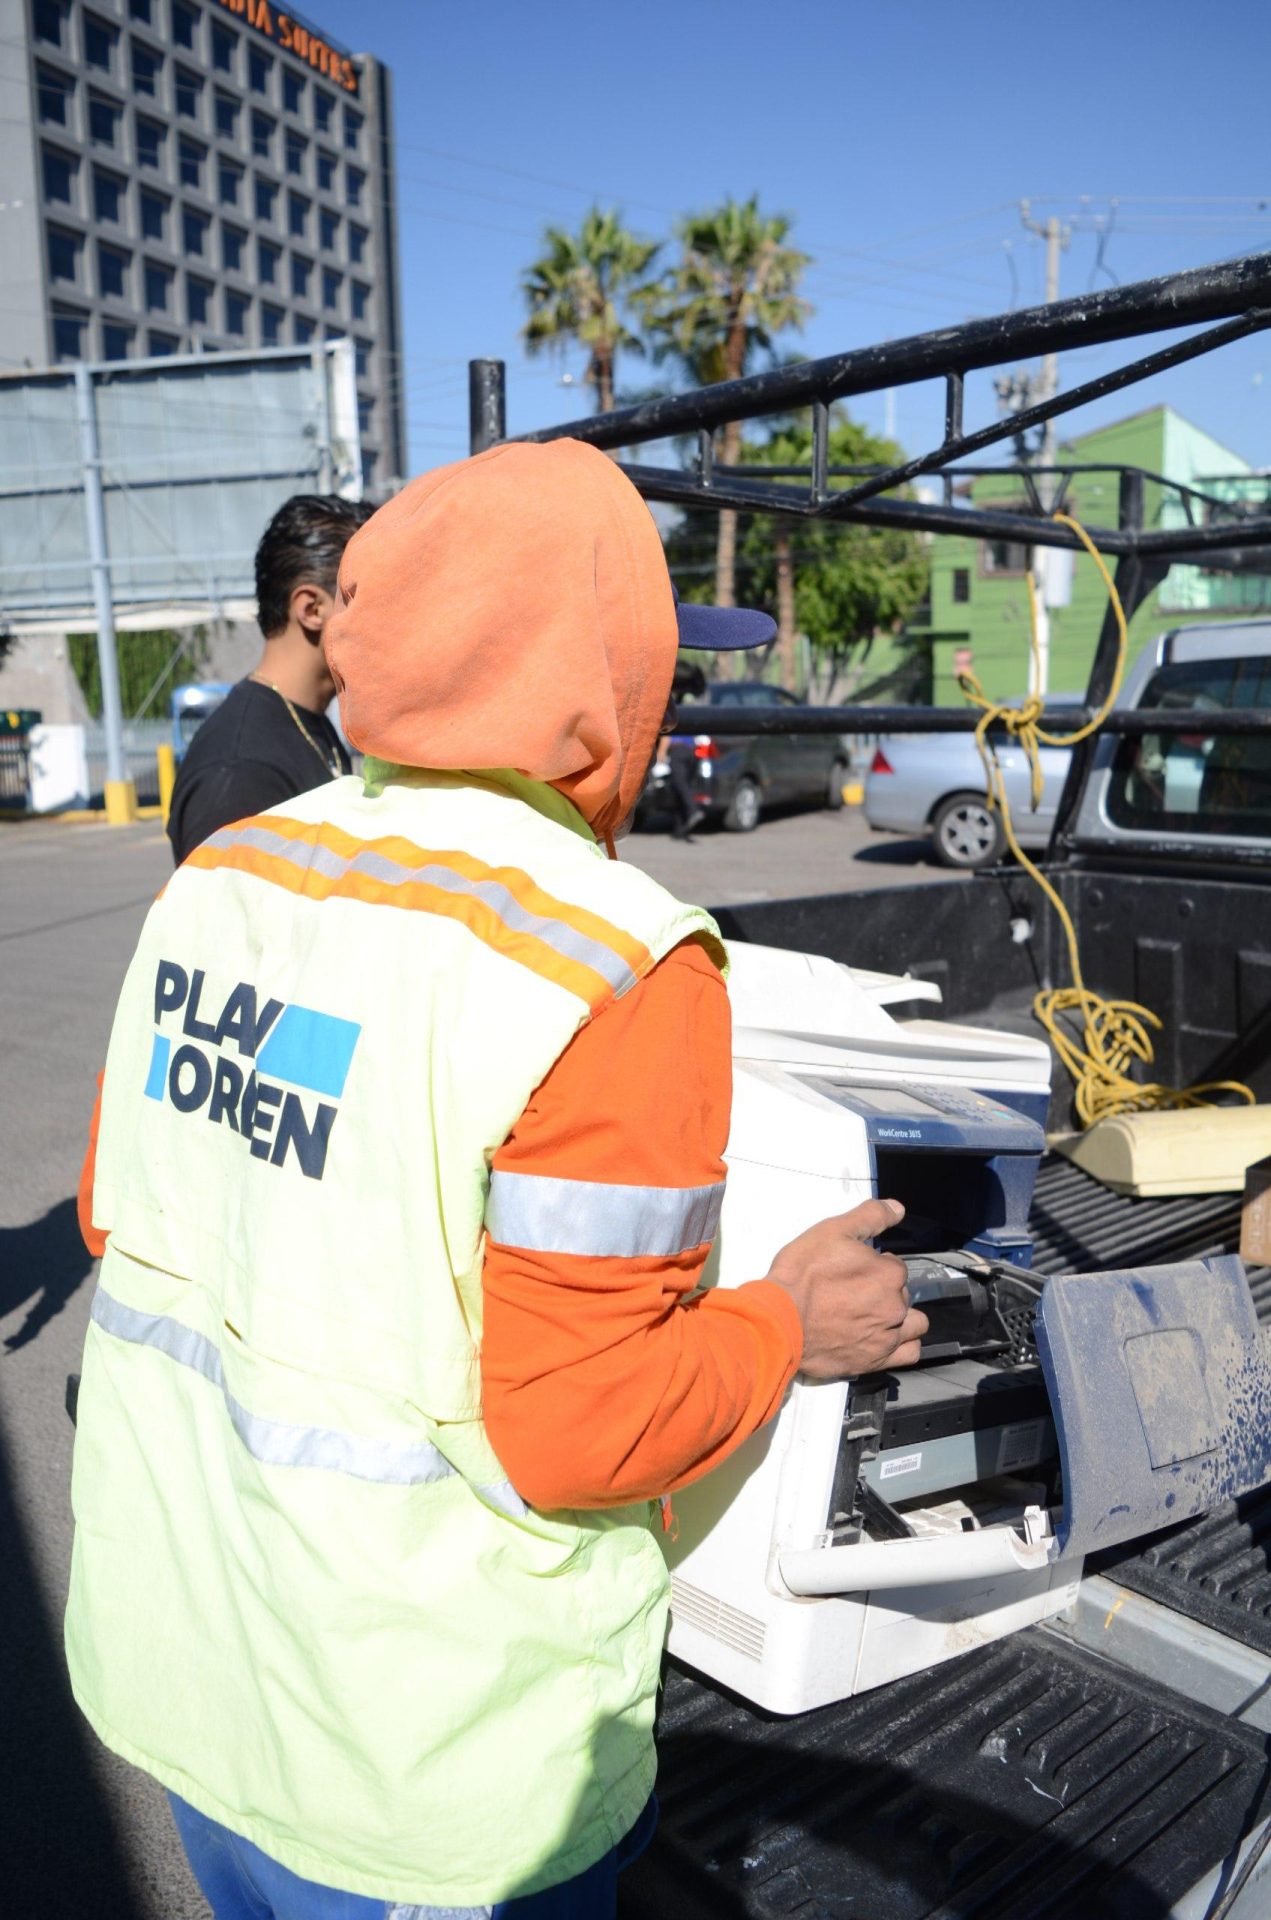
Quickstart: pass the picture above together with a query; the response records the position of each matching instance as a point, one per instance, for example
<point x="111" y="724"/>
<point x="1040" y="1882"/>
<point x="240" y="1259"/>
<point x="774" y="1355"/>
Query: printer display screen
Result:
<point x="892" y="1100"/>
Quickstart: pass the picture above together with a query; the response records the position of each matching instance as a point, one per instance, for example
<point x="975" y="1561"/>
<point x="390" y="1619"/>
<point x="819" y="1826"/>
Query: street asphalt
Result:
<point x="87" y="1837"/>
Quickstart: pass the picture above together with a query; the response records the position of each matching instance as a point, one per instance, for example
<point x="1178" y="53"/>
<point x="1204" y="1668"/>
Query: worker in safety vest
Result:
<point x="410" y="1155"/>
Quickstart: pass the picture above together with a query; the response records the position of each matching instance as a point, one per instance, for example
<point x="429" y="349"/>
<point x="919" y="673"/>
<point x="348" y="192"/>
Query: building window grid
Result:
<point x="161" y="345"/>
<point x="108" y="197"/>
<point x="154" y="216"/>
<point x="116" y="340"/>
<point x="64" y="255"/>
<point x="328" y="230"/>
<point x="112" y="272"/>
<point x="50" y="22"/>
<point x="148" y="143"/>
<point x="146" y="69"/>
<point x="265" y="197"/>
<point x="268" y="261"/>
<point x="54" y="93"/>
<point x="103" y="120"/>
<point x="191" y="158"/>
<point x="157" y="287"/>
<point x="185" y="26"/>
<point x="69" y="328"/>
<point x="233" y="246"/>
<point x="271" y="319"/>
<point x="147" y="66"/>
<point x="198" y="300"/>
<point x="100" y="40"/>
<point x="302" y="330"/>
<point x="188" y="94"/>
<point x="61" y="176"/>
<point x="195" y="228"/>
<point x="237" y="306"/>
<point x="229" y="181"/>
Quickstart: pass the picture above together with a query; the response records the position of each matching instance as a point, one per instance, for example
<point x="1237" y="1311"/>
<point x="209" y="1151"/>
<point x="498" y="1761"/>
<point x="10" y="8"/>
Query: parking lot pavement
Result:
<point x="788" y="855"/>
<point x="96" y="1838"/>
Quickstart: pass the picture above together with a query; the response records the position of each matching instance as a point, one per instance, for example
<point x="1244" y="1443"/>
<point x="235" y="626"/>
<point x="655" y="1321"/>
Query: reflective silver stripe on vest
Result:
<point x="274" y="1442"/>
<point x="563" y="939"/>
<point x="543" y="1215"/>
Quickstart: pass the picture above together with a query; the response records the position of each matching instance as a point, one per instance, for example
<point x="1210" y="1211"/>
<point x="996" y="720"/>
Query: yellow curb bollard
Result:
<point x="853" y="793"/>
<point x="121" y="803"/>
<point x="167" y="779"/>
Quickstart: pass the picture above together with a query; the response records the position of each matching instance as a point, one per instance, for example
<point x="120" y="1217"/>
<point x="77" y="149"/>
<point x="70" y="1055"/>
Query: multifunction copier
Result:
<point x="877" y="1528"/>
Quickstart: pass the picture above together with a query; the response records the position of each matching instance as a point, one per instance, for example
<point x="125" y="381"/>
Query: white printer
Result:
<point x="872" y="1531"/>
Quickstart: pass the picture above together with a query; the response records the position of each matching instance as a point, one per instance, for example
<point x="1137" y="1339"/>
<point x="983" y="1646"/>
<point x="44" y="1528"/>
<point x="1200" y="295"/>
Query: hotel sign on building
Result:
<point x="198" y="175"/>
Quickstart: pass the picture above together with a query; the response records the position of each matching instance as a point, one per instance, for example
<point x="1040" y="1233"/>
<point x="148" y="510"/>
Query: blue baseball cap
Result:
<point x="721" y="629"/>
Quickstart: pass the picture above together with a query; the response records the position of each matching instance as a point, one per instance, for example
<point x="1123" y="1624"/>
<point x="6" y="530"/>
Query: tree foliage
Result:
<point x="851" y="584"/>
<point x="579" y="290"/>
<point x="143" y="660"/>
<point x="732" y="292"/>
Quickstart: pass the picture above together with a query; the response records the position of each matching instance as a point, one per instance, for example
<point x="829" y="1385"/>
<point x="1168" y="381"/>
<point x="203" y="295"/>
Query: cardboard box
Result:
<point x="1255" y="1215"/>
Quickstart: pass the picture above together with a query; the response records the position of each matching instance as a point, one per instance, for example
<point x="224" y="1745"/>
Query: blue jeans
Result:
<point x="242" y="1883"/>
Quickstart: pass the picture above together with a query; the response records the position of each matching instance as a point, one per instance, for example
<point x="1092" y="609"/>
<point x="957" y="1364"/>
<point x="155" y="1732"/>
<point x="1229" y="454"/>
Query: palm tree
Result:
<point x="578" y="289"/>
<point x="733" y="291"/>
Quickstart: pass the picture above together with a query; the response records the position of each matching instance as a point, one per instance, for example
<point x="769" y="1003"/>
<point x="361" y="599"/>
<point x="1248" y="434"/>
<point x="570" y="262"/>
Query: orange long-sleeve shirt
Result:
<point x="601" y="1384"/>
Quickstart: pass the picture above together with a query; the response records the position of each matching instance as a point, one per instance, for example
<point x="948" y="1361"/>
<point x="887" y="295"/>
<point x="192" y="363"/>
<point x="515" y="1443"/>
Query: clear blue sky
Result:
<point x="899" y="135"/>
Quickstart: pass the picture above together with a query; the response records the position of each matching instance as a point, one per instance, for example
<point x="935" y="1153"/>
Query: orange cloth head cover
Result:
<point x="513" y="610"/>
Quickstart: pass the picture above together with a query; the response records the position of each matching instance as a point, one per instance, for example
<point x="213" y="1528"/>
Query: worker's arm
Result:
<point x="600" y="1386"/>
<point x="93" y="1237"/>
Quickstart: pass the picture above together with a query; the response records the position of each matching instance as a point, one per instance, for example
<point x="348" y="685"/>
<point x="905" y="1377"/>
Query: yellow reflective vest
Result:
<point x="304" y="1595"/>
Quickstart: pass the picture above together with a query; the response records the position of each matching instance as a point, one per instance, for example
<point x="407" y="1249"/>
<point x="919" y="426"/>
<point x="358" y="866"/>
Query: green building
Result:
<point x="979" y="594"/>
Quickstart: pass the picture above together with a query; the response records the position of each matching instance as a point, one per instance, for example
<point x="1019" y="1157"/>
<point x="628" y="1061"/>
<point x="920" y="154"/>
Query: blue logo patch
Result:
<point x="295" y="1044"/>
<point x="310" y="1049"/>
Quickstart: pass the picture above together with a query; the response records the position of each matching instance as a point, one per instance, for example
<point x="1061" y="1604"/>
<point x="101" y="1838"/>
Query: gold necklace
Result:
<point x="332" y="764"/>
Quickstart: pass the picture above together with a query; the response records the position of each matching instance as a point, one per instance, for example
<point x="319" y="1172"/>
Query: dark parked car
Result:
<point x="737" y="777"/>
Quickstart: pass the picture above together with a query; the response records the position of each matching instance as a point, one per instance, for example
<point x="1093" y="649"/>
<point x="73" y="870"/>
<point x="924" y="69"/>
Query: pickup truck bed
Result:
<point x="1115" y="1766"/>
<point x="1031" y="1778"/>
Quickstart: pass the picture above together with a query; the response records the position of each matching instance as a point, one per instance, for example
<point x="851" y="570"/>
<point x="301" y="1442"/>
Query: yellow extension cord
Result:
<point x="1114" y="1032"/>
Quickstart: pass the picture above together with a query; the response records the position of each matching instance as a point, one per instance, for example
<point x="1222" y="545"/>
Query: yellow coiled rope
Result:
<point x="1114" y="1034"/>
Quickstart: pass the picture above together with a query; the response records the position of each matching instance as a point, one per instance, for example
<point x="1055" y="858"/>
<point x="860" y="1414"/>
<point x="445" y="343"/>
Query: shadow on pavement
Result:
<point x="60" y="1854"/>
<point x="43" y="1263"/>
<point x="897" y="853"/>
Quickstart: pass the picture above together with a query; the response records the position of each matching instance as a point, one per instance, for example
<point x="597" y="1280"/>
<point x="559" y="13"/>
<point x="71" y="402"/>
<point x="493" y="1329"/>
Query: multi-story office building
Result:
<point x="186" y="175"/>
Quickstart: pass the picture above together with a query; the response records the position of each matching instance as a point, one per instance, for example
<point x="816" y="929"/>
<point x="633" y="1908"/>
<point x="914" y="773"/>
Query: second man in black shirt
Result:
<point x="270" y="739"/>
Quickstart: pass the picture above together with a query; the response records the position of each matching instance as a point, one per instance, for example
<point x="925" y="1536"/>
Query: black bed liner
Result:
<point x="1024" y="1781"/>
<point x="1079" y="1226"/>
<point x="1215" y="1570"/>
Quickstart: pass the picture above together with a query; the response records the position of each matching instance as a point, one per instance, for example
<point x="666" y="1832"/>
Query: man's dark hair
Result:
<point x="303" y="542"/>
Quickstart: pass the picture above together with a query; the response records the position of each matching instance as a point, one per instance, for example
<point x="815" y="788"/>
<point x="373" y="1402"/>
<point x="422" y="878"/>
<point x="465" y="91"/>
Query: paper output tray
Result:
<point x="1160" y="1391"/>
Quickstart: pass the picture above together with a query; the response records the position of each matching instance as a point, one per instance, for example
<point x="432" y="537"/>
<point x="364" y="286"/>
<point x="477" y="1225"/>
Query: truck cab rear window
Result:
<point x="1198" y="782"/>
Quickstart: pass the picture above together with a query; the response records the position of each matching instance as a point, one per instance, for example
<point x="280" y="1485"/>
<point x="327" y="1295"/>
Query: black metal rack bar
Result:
<point x="1232" y="300"/>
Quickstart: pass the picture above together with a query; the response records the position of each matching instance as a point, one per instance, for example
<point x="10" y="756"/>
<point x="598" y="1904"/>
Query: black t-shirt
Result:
<point x="247" y="756"/>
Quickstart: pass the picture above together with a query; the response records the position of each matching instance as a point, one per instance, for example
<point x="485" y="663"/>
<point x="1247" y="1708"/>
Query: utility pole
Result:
<point x="121" y="794"/>
<point x="1056" y="236"/>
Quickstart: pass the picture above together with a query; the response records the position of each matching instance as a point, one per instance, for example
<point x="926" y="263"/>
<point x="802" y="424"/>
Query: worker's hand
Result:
<point x="852" y="1301"/>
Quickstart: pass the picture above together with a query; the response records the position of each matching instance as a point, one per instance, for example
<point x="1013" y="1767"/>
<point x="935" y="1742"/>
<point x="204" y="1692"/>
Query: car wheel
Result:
<point x="744" y="808"/>
<point x="838" y="780"/>
<point x="966" y="832"/>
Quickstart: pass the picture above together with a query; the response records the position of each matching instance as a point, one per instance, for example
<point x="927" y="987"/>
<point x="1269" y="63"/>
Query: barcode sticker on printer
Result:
<point x="1020" y="1445"/>
<point x="907" y="1463"/>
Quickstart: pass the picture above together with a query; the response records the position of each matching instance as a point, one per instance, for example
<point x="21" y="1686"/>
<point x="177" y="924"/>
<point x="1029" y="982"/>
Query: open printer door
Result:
<point x="1160" y="1390"/>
